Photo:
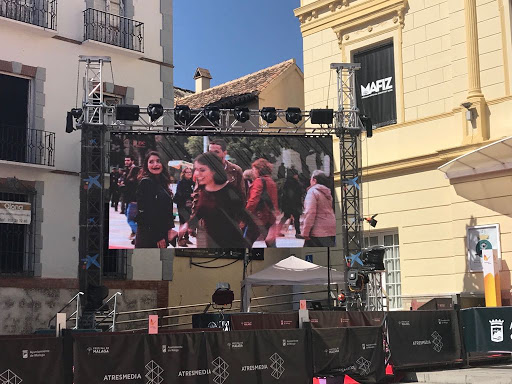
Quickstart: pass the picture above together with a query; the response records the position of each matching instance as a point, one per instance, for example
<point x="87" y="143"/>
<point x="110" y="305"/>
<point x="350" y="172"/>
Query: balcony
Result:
<point x="42" y="13"/>
<point x="24" y="145"/>
<point x="114" y="30"/>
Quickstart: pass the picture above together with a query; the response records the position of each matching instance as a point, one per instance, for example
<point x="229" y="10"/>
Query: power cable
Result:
<point x="220" y="266"/>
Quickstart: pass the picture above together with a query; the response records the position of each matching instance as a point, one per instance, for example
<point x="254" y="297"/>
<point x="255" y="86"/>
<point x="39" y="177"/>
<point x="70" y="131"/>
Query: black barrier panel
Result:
<point x="260" y="357"/>
<point x="34" y="360"/>
<point x="357" y="352"/>
<point x="212" y="320"/>
<point x="177" y="358"/>
<point x="418" y="338"/>
<point x="330" y="319"/>
<point x="487" y="329"/>
<point x="246" y="321"/>
<point x="109" y="358"/>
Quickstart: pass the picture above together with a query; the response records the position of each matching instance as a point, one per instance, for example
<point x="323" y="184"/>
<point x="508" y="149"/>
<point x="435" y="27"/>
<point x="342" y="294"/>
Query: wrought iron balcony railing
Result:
<point x="23" y="145"/>
<point x="113" y="29"/>
<point x="42" y="13"/>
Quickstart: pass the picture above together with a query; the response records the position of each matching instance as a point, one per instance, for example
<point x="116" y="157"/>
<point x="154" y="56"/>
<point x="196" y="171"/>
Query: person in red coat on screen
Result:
<point x="262" y="201"/>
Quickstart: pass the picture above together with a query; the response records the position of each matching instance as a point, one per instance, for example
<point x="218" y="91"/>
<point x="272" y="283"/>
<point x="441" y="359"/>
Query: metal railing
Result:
<point x="33" y="146"/>
<point x="201" y="308"/>
<point x="113" y="29"/>
<point x="75" y="313"/>
<point x="110" y="315"/>
<point x="42" y="13"/>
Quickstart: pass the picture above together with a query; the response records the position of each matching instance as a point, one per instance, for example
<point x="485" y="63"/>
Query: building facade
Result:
<point x="40" y="80"/>
<point x="449" y="83"/>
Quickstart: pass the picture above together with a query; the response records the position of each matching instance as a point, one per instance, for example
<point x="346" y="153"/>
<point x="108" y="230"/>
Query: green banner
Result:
<point x="487" y="329"/>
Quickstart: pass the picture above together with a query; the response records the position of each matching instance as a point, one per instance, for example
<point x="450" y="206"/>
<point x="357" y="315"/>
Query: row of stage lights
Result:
<point x="184" y="115"/>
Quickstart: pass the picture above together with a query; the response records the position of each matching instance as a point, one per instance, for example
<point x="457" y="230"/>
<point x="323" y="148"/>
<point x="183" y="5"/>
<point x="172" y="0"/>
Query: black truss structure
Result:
<point x="346" y="125"/>
<point x="92" y="211"/>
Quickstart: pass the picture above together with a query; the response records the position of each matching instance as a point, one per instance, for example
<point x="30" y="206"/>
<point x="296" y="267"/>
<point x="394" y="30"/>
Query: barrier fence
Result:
<point x="357" y="347"/>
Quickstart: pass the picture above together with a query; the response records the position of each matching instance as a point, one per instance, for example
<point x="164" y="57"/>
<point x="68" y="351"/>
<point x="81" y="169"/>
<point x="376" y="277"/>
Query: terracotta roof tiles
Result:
<point x="238" y="90"/>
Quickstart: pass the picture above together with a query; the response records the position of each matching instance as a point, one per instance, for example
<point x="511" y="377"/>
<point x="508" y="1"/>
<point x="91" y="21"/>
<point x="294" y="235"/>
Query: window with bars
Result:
<point x="391" y="277"/>
<point x="17" y="241"/>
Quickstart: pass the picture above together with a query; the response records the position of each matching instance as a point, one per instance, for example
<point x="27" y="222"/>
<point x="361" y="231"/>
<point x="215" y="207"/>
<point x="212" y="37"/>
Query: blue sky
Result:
<point x="233" y="38"/>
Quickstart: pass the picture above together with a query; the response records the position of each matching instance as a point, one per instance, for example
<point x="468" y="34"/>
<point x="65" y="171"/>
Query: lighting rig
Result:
<point x="211" y="120"/>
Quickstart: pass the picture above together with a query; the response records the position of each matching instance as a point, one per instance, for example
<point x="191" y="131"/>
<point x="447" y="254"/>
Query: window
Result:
<point x="14" y="107"/>
<point x="391" y="278"/>
<point x="17" y="241"/>
<point x="375" y="84"/>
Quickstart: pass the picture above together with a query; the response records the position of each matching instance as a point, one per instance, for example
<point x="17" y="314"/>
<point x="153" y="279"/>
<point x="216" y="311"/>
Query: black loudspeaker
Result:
<point x="69" y="123"/>
<point x="127" y="112"/>
<point x="95" y="296"/>
<point x="321" y="116"/>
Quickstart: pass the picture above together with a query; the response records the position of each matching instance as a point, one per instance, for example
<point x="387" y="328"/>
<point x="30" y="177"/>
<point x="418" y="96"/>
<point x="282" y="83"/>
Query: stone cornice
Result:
<point x="344" y="16"/>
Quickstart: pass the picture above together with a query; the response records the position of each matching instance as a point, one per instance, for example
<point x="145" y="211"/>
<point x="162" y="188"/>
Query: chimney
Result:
<point x="202" y="77"/>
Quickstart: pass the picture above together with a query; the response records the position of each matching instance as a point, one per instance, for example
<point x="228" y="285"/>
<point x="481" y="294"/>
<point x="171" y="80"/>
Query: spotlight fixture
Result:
<point x="242" y="114"/>
<point x="223" y="295"/>
<point x="155" y="111"/>
<point x="293" y="115"/>
<point x="212" y="114"/>
<point x="373" y="258"/>
<point x="321" y="116"/>
<point x="371" y="220"/>
<point x="76" y="112"/>
<point x="127" y="112"/>
<point x="182" y="114"/>
<point x="268" y="114"/>
<point x="367" y="124"/>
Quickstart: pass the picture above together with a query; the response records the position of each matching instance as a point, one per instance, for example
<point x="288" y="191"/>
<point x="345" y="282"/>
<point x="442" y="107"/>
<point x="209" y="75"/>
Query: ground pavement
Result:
<point x="119" y="232"/>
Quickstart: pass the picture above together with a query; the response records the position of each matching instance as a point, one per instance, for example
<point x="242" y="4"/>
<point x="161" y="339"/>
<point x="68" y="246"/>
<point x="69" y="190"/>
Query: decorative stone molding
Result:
<point x="364" y="14"/>
<point x="340" y="14"/>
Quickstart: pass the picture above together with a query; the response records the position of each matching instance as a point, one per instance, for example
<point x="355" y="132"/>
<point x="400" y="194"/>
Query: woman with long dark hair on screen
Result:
<point x="183" y="200"/>
<point x="154" y="203"/>
<point x="319" y="228"/>
<point x="219" y="207"/>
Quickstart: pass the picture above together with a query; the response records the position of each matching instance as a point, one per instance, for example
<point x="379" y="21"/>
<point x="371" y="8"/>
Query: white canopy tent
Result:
<point x="290" y="271"/>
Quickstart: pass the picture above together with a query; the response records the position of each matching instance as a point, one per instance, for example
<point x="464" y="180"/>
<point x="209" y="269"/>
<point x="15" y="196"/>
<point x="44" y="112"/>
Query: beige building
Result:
<point x="446" y="53"/>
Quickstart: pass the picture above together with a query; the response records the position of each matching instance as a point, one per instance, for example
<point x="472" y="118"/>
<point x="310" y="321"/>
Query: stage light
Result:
<point x="223" y="295"/>
<point x="212" y="114"/>
<point x="372" y="221"/>
<point x="373" y="258"/>
<point x="269" y="114"/>
<point x="155" y="111"/>
<point x="353" y="278"/>
<point x="293" y="115"/>
<point x="127" y="112"/>
<point x="182" y="114"/>
<point x="367" y="124"/>
<point x="76" y="112"/>
<point x="242" y="114"/>
<point x="321" y="116"/>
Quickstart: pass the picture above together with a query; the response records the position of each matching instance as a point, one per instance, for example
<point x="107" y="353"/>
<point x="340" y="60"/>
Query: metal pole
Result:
<point x="329" y="300"/>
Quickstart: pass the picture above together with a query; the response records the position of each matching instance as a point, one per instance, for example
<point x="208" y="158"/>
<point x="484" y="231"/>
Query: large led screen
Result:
<point x="177" y="191"/>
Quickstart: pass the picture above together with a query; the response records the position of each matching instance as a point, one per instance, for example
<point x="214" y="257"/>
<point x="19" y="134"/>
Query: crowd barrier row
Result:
<point x="357" y="344"/>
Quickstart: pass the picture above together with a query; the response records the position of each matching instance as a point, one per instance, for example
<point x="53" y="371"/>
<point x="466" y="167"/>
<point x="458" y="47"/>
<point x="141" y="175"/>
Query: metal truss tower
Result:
<point x="93" y="157"/>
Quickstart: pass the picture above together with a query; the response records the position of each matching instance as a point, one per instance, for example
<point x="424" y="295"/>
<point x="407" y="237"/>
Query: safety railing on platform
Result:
<point x="173" y="320"/>
<point x="73" y="316"/>
<point x="110" y="315"/>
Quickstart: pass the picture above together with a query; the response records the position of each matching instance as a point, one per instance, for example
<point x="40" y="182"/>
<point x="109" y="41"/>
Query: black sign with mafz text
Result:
<point x="375" y="84"/>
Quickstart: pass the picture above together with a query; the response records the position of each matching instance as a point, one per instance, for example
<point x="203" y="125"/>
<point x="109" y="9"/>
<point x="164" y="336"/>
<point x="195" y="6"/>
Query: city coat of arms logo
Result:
<point x="496" y="330"/>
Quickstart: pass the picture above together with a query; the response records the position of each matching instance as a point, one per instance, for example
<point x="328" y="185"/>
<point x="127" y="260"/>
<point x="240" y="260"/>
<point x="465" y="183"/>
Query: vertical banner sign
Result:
<point x="375" y="85"/>
<point x="492" y="284"/>
<point x="419" y="338"/>
<point x="35" y="360"/>
<point x="153" y="324"/>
